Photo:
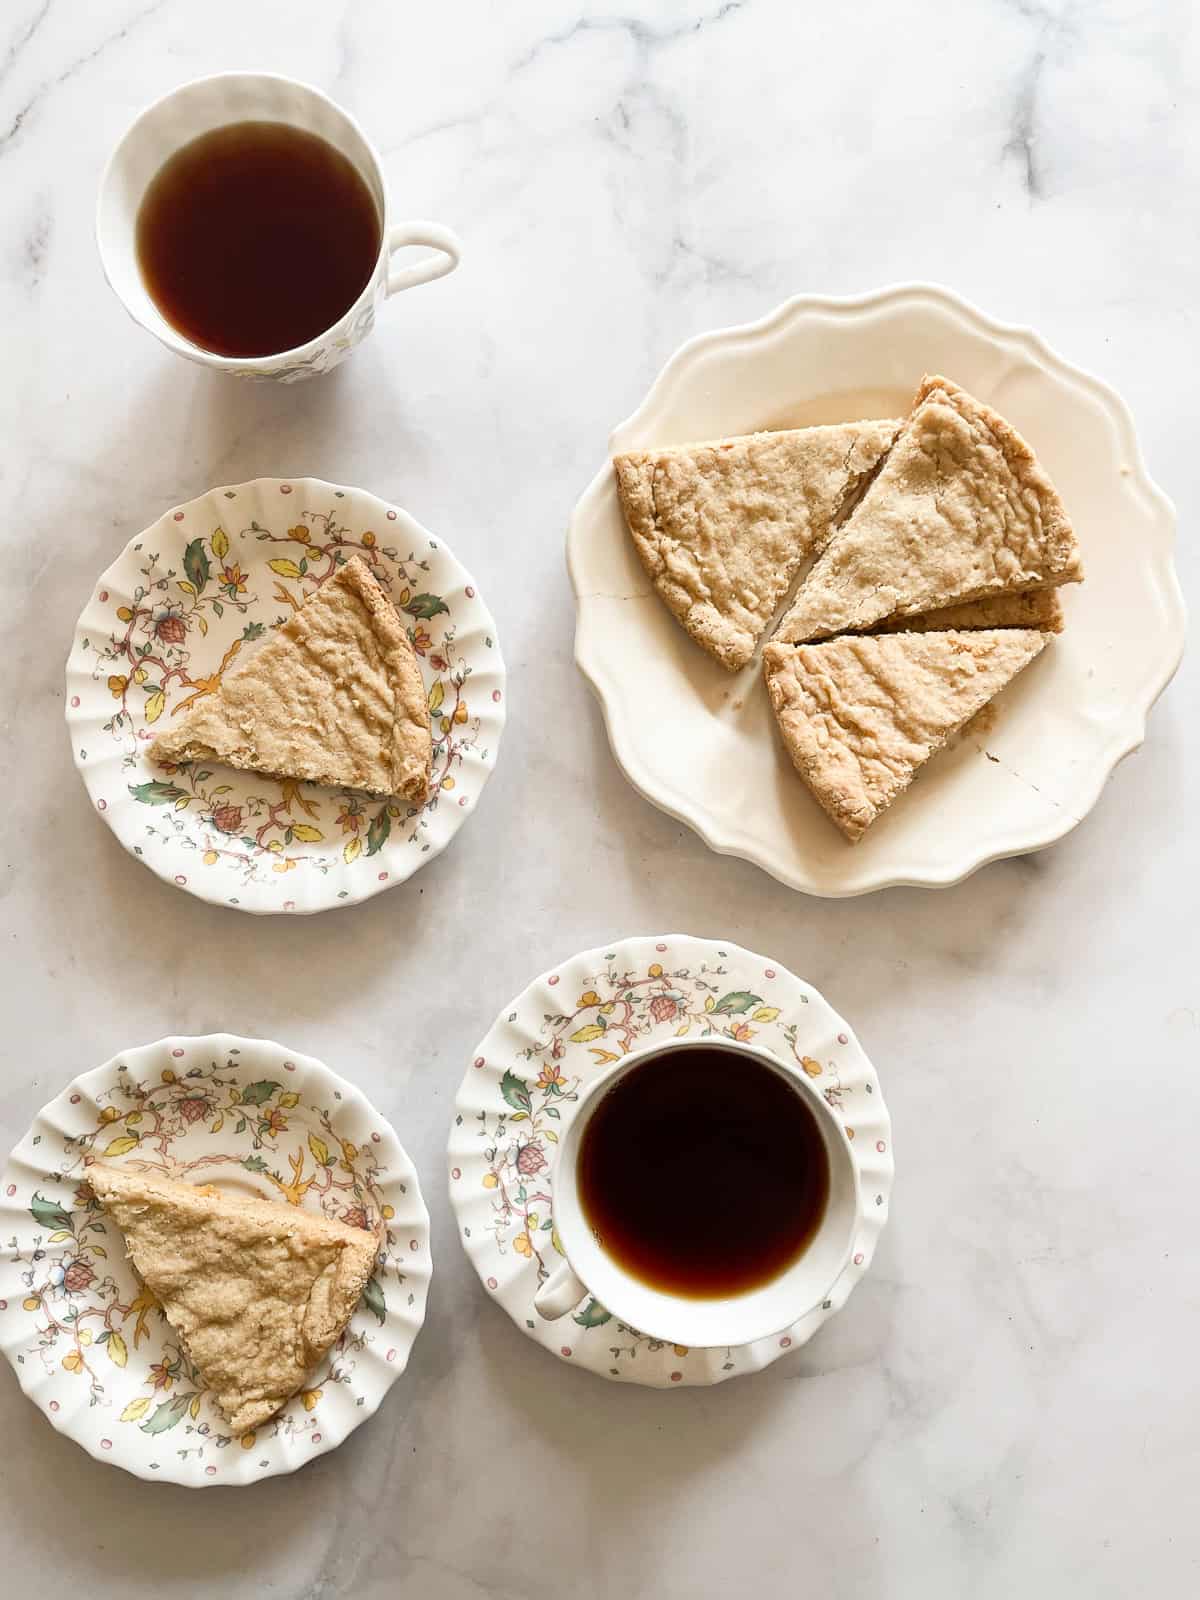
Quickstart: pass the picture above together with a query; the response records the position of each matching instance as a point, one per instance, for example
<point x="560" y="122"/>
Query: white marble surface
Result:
<point x="1009" y="1404"/>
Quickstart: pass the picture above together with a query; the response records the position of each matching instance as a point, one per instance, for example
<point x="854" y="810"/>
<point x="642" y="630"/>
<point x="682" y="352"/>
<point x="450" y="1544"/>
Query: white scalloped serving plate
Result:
<point x="102" y="1364"/>
<point x="521" y="1089"/>
<point x="701" y="744"/>
<point x="180" y="603"/>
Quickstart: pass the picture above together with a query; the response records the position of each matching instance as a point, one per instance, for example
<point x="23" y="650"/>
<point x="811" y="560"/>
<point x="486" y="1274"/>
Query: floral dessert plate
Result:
<point x="701" y="744"/>
<point x="520" y="1092"/>
<point x="173" y="613"/>
<point x="86" y="1338"/>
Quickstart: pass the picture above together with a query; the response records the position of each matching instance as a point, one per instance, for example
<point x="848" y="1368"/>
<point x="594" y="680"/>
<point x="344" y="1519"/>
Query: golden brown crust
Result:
<point x="723" y="527"/>
<point x="960" y="510"/>
<point x="1032" y="608"/>
<point x="859" y="715"/>
<point x="256" y="1291"/>
<point x="334" y="696"/>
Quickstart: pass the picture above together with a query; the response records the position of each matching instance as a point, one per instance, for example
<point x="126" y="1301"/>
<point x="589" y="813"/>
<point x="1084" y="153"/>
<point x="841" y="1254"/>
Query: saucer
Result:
<point x="521" y="1089"/>
<point x="85" y="1338"/>
<point x="170" y="615"/>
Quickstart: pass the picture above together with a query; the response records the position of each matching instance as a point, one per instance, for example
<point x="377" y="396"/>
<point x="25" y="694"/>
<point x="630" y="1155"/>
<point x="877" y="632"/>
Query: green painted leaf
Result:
<point x="593" y="1315"/>
<point x="374" y="1300"/>
<point x="515" y="1092"/>
<point x="257" y="1094"/>
<point x="253" y="630"/>
<point x="737" y="1001"/>
<point x="218" y="608"/>
<point x="425" y="606"/>
<point x="377" y="833"/>
<point x="195" y="564"/>
<point x="49" y="1214"/>
<point x="168" y="1414"/>
<point x="254" y="1164"/>
<point x="157" y="793"/>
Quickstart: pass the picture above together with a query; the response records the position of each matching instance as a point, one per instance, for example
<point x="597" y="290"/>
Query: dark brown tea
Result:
<point x="256" y="237"/>
<point x="703" y="1173"/>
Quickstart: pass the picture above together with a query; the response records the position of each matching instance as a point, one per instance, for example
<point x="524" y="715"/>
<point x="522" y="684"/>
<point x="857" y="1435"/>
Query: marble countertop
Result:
<point x="1008" y="1404"/>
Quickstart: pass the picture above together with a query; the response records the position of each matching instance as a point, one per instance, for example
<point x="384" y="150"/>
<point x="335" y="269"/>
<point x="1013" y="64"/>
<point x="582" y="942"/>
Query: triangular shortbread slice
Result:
<point x="1033" y="608"/>
<point x="257" y="1292"/>
<point x="723" y="528"/>
<point x="860" y="715"/>
<point x="334" y="696"/>
<point x="960" y="509"/>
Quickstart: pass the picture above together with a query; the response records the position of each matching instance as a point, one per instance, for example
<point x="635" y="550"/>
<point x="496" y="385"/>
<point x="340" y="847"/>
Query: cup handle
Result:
<point x="433" y="234"/>
<point x="561" y="1291"/>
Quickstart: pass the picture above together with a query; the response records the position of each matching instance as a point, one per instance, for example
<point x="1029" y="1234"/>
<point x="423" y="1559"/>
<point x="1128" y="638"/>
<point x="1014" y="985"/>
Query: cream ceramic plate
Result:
<point x="88" y="1344"/>
<point x="520" y="1091"/>
<point x="175" y="610"/>
<point x="701" y="743"/>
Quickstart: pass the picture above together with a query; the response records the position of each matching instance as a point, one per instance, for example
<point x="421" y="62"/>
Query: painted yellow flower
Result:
<point x="273" y="1121"/>
<point x="388" y="1212"/>
<point x="590" y="998"/>
<point x="490" y="1180"/>
<point x="350" y="820"/>
<point x="368" y="539"/>
<point x="813" y="1068"/>
<point x="211" y="858"/>
<point x="550" y="1077"/>
<point x="656" y="970"/>
<point x="247" y="1440"/>
<point x="233" y="579"/>
<point x="72" y="1361"/>
<point x="523" y="1245"/>
<point x="309" y="1398"/>
<point x="742" y="1031"/>
<point x="117" y="685"/>
<point x="109" y="1114"/>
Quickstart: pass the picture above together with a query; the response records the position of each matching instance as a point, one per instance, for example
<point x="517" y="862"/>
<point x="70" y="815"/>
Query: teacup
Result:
<point x="757" y="1313"/>
<point x="215" y="102"/>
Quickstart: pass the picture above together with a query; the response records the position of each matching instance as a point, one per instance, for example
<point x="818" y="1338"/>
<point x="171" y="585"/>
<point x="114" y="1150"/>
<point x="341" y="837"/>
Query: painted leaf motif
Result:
<point x="593" y="1315"/>
<point x="306" y="832"/>
<point x="254" y="1164"/>
<point x="49" y="1214"/>
<point x="168" y="1414"/>
<point x="515" y="1092"/>
<point x="285" y="568"/>
<point x="737" y="1001"/>
<point x="61" y="1236"/>
<point x="436" y="697"/>
<point x="766" y="1014"/>
<point x="220" y="543"/>
<point x="157" y="793"/>
<point x="257" y="1094"/>
<point x="374" y="1301"/>
<point x="122" y="1145"/>
<point x="425" y="606"/>
<point x="195" y="564"/>
<point x="145" y="1303"/>
<point x="377" y="833"/>
<point x="118" y="1352"/>
<point x="320" y="1151"/>
<point x="594" y="1030"/>
<point x="136" y="1409"/>
<point x="352" y="851"/>
<point x="154" y="706"/>
<point x="194" y="1408"/>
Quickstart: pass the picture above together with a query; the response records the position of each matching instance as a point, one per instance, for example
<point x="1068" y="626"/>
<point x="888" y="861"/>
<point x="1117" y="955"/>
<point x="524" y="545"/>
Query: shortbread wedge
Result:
<point x="960" y="510"/>
<point x="256" y="1292"/>
<point x="1034" y="608"/>
<point x="860" y="715"/>
<point x="334" y="696"/>
<point x="723" y="528"/>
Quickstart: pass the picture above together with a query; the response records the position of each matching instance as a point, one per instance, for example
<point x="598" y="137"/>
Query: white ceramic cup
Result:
<point x="214" y="102"/>
<point x="732" y="1320"/>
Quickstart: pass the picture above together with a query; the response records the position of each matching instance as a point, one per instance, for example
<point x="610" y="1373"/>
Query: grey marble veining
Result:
<point x="1008" y="1404"/>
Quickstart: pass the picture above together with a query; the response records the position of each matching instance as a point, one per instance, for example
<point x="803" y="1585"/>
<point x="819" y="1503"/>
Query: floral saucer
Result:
<point x="85" y="1336"/>
<point x="521" y="1089"/>
<point x="172" y="614"/>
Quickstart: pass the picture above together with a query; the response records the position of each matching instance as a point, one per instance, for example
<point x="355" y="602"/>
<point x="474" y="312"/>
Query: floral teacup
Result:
<point x="214" y="102"/>
<point x="737" y="1319"/>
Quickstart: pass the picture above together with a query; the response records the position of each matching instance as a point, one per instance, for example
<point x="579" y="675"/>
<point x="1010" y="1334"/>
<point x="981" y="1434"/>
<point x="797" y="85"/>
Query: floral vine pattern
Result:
<point x="615" y="1011"/>
<point x="86" y="1324"/>
<point x="239" y="585"/>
